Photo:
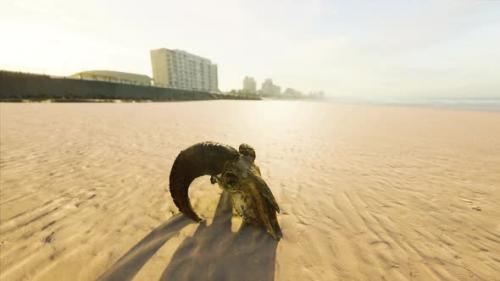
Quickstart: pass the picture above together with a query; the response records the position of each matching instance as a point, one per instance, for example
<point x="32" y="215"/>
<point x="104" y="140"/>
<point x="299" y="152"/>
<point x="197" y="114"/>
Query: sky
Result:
<point x="402" y="49"/>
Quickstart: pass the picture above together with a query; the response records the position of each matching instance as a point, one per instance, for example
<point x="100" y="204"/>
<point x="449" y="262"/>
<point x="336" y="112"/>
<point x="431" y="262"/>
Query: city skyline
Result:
<point x="383" y="49"/>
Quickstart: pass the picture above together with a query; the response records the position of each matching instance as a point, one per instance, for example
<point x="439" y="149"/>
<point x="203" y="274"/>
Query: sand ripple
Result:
<point x="367" y="193"/>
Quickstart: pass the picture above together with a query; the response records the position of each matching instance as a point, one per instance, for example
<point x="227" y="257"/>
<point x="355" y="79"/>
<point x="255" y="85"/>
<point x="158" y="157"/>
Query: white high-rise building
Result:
<point x="182" y="70"/>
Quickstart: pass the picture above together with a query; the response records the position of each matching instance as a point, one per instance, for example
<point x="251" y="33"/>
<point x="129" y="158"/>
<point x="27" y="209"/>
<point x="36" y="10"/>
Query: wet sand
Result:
<point x="366" y="192"/>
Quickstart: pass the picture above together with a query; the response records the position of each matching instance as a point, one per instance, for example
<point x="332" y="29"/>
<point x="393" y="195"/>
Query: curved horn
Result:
<point x="205" y="158"/>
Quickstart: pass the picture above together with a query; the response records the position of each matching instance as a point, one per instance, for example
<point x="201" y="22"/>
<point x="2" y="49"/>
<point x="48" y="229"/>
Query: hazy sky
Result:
<point x="346" y="48"/>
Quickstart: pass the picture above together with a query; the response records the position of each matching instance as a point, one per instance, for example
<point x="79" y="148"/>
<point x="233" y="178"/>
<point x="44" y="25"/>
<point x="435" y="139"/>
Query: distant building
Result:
<point x="249" y="85"/>
<point x="289" y="92"/>
<point x="182" y="70"/>
<point x="213" y="85"/>
<point x="113" y="76"/>
<point x="269" y="89"/>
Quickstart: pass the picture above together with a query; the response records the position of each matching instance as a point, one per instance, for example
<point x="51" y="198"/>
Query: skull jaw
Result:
<point x="245" y="207"/>
<point x="254" y="211"/>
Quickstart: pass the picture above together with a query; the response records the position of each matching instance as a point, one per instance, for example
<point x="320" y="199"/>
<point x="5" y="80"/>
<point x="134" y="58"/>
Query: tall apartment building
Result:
<point x="249" y="85"/>
<point x="269" y="89"/>
<point x="182" y="70"/>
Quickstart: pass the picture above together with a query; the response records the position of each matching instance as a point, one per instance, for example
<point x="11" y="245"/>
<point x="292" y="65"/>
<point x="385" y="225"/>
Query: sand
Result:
<point x="366" y="192"/>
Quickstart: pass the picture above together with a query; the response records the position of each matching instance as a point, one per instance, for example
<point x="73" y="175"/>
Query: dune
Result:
<point x="366" y="192"/>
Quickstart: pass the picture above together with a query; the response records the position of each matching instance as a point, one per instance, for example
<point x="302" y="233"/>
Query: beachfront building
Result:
<point x="182" y="70"/>
<point x="269" y="89"/>
<point x="113" y="76"/>
<point x="249" y="85"/>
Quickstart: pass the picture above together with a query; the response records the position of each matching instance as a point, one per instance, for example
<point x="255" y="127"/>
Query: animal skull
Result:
<point x="235" y="172"/>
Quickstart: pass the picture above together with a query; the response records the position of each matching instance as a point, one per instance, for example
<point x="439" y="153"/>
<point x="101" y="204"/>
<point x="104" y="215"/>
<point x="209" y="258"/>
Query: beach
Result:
<point x="366" y="192"/>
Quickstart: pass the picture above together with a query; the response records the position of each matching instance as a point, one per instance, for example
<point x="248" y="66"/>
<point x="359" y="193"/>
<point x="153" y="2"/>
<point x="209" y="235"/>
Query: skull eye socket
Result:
<point x="231" y="179"/>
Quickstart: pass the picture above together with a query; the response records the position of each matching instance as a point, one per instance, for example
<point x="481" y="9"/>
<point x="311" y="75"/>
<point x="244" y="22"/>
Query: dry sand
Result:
<point x="367" y="193"/>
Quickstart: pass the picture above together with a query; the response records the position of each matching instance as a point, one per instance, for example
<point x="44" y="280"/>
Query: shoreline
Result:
<point x="220" y="97"/>
<point x="455" y="107"/>
<point x="474" y="104"/>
